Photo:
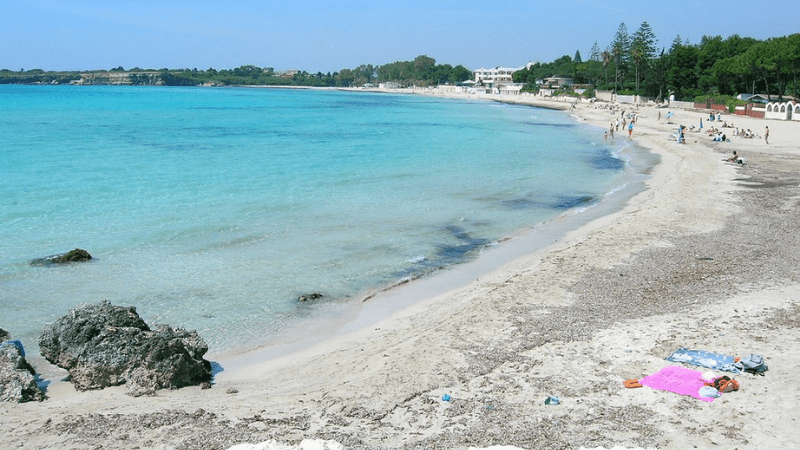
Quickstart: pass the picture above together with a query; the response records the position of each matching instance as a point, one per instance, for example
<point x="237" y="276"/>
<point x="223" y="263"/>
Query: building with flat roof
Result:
<point x="497" y="78"/>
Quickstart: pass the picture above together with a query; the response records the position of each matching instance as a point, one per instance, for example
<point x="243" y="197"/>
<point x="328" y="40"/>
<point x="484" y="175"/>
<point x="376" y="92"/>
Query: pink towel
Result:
<point x="679" y="380"/>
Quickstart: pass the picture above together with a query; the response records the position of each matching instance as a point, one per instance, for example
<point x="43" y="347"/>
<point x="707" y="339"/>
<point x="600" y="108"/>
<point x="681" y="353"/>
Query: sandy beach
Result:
<point x="704" y="258"/>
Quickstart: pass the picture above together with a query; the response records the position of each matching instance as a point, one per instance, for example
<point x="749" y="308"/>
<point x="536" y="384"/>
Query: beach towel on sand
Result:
<point x="752" y="363"/>
<point x="679" y="380"/>
<point x="704" y="358"/>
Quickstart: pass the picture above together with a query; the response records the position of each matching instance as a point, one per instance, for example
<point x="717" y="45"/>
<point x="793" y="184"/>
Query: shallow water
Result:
<point x="214" y="209"/>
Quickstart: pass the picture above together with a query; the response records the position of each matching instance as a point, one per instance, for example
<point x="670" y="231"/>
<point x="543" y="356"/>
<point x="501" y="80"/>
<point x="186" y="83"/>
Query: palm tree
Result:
<point x="637" y="55"/>
<point x="617" y="53"/>
<point x="606" y="55"/>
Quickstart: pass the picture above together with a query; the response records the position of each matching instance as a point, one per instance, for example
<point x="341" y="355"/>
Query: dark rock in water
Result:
<point x="77" y="255"/>
<point x="307" y="297"/>
<point x="104" y="345"/>
<point x="17" y="377"/>
<point x="4" y="336"/>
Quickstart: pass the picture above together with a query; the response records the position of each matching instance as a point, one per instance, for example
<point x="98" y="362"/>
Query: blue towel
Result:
<point x="704" y="358"/>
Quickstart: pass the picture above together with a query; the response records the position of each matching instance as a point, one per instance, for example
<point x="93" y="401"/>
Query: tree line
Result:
<point x="633" y="64"/>
<point x="422" y="71"/>
<point x="629" y="64"/>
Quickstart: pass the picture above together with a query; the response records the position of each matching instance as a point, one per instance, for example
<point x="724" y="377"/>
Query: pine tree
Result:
<point x="594" y="54"/>
<point x="642" y="48"/>
<point x="621" y="48"/>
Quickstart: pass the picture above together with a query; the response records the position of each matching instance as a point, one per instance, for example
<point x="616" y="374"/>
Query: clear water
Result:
<point x="214" y="209"/>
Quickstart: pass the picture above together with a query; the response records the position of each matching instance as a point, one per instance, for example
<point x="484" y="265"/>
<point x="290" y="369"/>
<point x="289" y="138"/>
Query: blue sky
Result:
<point x="326" y="36"/>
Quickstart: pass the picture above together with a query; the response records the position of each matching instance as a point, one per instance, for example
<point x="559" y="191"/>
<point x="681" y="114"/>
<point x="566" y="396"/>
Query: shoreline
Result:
<point x="383" y="302"/>
<point x="702" y="259"/>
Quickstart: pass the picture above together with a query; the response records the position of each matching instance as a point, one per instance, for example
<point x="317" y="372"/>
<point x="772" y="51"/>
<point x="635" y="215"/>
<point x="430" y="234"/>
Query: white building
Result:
<point x="495" y="79"/>
<point x="510" y="88"/>
<point x="783" y="111"/>
<point x="496" y="75"/>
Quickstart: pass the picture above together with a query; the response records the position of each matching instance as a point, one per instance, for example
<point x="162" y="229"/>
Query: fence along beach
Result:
<point x="702" y="258"/>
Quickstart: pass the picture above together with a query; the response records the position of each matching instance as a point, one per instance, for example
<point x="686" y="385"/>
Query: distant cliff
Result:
<point x="143" y="78"/>
<point x="120" y="78"/>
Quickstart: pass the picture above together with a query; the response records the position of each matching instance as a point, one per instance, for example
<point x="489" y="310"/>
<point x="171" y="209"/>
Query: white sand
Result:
<point x="572" y="320"/>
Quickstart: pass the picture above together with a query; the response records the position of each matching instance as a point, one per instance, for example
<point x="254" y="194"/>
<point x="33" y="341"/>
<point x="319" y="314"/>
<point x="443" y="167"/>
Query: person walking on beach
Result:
<point x="766" y="136"/>
<point x="611" y="130"/>
<point x="630" y="129"/>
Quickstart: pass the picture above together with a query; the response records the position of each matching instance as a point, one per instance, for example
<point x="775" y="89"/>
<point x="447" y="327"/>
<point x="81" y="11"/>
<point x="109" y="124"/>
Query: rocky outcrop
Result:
<point x="4" y="336"/>
<point x="17" y="377"/>
<point x="77" y="255"/>
<point x="104" y="345"/>
<point x="309" y="297"/>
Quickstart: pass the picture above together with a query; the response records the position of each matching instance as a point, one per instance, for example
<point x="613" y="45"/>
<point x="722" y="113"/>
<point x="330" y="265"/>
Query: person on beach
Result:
<point x="630" y="129"/>
<point x="766" y="136"/>
<point x="611" y="130"/>
<point x="735" y="158"/>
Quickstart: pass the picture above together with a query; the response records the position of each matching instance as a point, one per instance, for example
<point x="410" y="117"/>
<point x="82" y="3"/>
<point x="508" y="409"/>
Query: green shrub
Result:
<point x="730" y="102"/>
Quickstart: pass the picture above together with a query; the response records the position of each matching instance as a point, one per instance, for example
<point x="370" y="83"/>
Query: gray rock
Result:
<point x="17" y="377"/>
<point x="311" y="296"/>
<point x="104" y="345"/>
<point x="77" y="255"/>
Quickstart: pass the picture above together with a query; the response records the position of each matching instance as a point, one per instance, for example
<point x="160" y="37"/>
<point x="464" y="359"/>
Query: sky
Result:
<point x="327" y="36"/>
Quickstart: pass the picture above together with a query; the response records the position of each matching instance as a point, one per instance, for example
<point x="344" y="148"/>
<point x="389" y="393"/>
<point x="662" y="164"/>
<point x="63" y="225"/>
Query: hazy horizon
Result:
<point x="55" y="35"/>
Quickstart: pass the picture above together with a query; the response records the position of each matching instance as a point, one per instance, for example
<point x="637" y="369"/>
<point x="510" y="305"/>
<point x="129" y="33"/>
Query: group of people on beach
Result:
<point x="625" y="124"/>
<point x="716" y="134"/>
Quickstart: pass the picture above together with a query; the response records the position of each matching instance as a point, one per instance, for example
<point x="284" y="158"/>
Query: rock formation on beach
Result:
<point x="104" y="345"/>
<point x="17" y="377"/>
<point x="77" y="255"/>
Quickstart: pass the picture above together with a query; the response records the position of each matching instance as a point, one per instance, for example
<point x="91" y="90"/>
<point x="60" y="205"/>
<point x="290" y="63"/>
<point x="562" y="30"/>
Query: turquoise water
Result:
<point x="214" y="209"/>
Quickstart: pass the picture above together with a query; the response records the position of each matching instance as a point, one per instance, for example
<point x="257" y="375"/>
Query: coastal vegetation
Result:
<point x="422" y="71"/>
<point x="629" y="64"/>
<point x="633" y="64"/>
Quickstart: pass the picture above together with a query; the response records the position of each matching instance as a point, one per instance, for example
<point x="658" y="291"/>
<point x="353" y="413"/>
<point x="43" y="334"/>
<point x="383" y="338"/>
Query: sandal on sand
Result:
<point x="632" y="383"/>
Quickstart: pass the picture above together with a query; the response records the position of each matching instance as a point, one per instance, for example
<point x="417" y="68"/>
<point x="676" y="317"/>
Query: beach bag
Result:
<point x="753" y="363"/>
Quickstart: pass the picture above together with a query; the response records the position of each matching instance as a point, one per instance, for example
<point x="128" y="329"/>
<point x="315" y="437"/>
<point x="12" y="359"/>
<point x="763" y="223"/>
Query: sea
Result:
<point x="216" y="209"/>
